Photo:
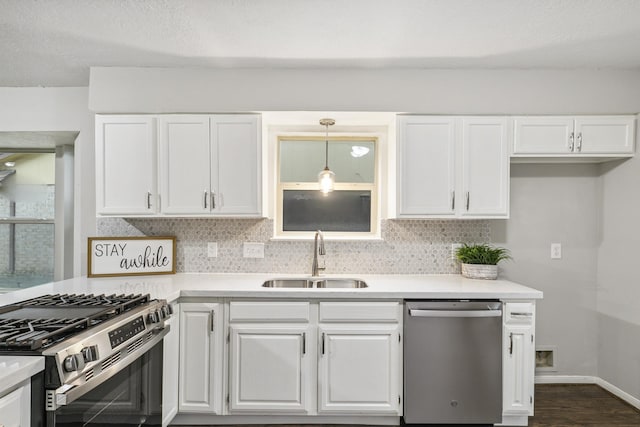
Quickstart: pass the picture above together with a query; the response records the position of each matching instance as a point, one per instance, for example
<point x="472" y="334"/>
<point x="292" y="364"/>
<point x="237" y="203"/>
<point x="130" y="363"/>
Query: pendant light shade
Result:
<point x="326" y="177"/>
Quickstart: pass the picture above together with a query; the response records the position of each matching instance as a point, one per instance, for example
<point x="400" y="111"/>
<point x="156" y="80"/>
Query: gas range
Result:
<point x="86" y="339"/>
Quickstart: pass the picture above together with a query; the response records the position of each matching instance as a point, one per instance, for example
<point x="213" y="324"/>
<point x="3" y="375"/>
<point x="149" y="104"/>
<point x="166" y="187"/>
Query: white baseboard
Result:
<point x="581" y="379"/>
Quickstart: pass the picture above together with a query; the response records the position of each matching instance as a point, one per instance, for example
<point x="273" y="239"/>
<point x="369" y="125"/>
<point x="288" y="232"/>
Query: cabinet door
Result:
<point x="126" y="165"/>
<point x="236" y="164"/>
<point x="518" y="370"/>
<point x="484" y="168"/>
<point x="604" y="135"/>
<point x="543" y="135"/>
<point x="269" y="369"/>
<point x="426" y="169"/>
<point x="201" y="352"/>
<point x="359" y="369"/>
<point x="15" y="407"/>
<point x="184" y="164"/>
<point x="170" y="362"/>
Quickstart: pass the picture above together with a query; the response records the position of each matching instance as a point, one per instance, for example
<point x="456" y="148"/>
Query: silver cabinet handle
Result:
<point x="521" y="314"/>
<point x="148" y="199"/>
<point x="213" y="200"/>
<point x="467" y="200"/>
<point x="304" y="343"/>
<point x="511" y="343"/>
<point x="212" y="323"/>
<point x="453" y="200"/>
<point x="206" y="195"/>
<point x="579" y="142"/>
<point x="571" y="142"/>
<point x="323" y="343"/>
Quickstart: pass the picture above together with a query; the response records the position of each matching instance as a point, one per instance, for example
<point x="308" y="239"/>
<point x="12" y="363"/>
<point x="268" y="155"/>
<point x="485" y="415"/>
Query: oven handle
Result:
<point x="68" y="393"/>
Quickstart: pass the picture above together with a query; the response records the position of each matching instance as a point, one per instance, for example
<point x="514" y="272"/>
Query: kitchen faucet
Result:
<point x="317" y="250"/>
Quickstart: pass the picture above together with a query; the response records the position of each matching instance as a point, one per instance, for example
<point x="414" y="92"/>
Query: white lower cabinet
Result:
<point x="297" y="358"/>
<point x="170" y="362"/>
<point x="201" y="356"/>
<point x="359" y="369"/>
<point x="518" y="360"/>
<point x="15" y="406"/>
<point x="269" y="368"/>
<point x="270" y="357"/>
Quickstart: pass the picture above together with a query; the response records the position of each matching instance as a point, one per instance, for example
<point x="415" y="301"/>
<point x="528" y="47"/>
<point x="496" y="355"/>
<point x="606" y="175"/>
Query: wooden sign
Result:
<point x="131" y="256"/>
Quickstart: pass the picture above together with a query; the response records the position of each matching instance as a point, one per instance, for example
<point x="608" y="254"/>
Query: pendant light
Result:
<point x="326" y="177"/>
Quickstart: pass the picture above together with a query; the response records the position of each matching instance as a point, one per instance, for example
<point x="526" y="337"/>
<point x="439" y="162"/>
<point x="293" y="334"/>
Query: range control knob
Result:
<point x="165" y="311"/>
<point x="154" y="317"/>
<point x="90" y="354"/>
<point x="169" y="309"/>
<point x="75" y="362"/>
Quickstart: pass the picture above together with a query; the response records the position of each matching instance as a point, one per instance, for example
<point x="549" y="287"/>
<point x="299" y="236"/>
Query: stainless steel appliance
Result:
<point x="453" y="362"/>
<point x="103" y="357"/>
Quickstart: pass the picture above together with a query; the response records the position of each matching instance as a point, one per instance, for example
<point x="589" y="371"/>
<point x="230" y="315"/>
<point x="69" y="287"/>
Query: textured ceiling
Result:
<point x="53" y="43"/>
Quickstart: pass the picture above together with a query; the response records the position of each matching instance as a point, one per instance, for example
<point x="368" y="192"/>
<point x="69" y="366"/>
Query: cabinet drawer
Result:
<point x="359" y="312"/>
<point x="519" y="313"/>
<point x="249" y="311"/>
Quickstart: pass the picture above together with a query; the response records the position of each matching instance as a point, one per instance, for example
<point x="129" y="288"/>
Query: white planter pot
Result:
<point x="480" y="271"/>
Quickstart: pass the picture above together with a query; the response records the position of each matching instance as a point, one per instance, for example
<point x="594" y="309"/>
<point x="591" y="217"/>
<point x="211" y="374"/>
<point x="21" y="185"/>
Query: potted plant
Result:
<point x="480" y="261"/>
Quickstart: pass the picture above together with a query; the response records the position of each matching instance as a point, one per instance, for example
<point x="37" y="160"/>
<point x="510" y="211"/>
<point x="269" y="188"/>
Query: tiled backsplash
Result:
<point x="407" y="246"/>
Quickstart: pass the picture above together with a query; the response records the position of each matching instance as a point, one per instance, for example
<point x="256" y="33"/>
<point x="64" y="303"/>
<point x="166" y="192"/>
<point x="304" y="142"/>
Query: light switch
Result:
<point x="556" y="251"/>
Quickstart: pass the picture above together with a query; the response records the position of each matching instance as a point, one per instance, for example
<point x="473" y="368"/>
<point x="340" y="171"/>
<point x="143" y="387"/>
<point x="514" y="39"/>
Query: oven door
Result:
<point x="133" y="396"/>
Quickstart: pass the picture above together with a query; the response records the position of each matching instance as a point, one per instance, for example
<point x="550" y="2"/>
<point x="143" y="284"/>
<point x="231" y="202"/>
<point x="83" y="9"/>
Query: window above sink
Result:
<point x="350" y="210"/>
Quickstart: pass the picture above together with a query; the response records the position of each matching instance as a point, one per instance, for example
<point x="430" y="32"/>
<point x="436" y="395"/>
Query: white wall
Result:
<point x="60" y="109"/>
<point x="618" y="282"/>
<point x="556" y="203"/>
<point x="164" y="90"/>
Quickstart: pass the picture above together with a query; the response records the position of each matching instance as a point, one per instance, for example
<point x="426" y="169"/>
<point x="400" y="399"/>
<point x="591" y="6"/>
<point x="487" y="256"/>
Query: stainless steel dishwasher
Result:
<point x="453" y="362"/>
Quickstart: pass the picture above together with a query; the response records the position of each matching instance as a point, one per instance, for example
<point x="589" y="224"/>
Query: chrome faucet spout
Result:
<point x="318" y="249"/>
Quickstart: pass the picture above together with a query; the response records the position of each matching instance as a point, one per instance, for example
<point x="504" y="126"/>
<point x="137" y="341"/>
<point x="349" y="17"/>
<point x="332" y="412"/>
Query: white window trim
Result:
<point x="379" y="139"/>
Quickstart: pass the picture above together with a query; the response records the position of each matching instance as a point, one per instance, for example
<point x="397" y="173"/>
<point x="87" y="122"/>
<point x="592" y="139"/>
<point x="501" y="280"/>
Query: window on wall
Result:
<point x="27" y="211"/>
<point x="350" y="210"/>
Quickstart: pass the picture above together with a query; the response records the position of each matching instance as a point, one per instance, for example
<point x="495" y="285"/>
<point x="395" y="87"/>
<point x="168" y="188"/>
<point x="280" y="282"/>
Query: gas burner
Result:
<point x="41" y="322"/>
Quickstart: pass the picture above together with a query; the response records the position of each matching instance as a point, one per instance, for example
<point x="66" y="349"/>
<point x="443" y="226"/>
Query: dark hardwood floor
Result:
<point x="568" y="405"/>
<point x="573" y="405"/>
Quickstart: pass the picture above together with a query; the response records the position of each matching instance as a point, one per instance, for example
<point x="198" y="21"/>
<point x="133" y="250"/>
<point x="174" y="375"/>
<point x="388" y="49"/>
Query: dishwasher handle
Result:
<point x="454" y="313"/>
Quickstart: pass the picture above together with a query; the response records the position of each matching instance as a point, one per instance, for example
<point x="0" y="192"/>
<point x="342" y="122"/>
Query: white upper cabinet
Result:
<point x="126" y="165"/>
<point x="210" y="165"/>
<point x="453" y="167"/>
<point x="587" y="137"/>
<point x="485" y="167"/>
<point x="184" y="164"/>
<point x="206" y="165"/>
<point x="236" y="164"/>
<point x="426" y="165"/>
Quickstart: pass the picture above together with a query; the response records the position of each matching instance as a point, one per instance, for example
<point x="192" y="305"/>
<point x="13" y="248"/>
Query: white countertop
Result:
<point x="171" y="287"/>
<point x="15" y="369"/>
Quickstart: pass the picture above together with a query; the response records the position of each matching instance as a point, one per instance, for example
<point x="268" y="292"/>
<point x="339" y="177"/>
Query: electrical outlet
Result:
<point x="212" y="249"/>
<point x="253" y="250"/>
<point x="454" y="248"/>
<point x="556" y="251"/>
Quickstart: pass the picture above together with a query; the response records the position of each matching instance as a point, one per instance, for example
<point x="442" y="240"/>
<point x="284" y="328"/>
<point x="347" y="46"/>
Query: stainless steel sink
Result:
<point x="323" y="283"/>
<point x="288" y="283"/>
<point x="341" y="283"/>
